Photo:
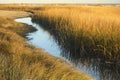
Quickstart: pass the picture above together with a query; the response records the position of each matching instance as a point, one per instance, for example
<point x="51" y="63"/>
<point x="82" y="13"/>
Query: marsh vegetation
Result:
<point x="88" y="36"/>
<point x="90" y="31"/>
<point x="21" y="61"/>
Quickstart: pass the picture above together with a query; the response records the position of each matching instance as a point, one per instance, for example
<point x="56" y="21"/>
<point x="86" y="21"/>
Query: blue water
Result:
<point x="41" y="38"/>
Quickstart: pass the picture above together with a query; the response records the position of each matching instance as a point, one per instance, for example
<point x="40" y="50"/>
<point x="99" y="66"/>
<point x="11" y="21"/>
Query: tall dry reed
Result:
<point x="91" y="30"/>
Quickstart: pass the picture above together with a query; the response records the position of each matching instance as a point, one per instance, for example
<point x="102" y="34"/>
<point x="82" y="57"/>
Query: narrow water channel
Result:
<point x="43" y="39"/>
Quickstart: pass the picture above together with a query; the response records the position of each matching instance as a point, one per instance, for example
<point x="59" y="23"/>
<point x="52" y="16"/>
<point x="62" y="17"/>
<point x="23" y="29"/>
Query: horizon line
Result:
<point x="69" y="3"/>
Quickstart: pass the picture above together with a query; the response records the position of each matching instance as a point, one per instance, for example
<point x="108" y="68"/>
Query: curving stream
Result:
<point x="42" y="38"/>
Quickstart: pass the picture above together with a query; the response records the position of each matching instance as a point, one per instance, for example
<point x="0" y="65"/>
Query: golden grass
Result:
<point x="21" y="61"/>
<point x="14" y="14"/>
<point x="92" y="30"/>
<point x="20" y="7"/>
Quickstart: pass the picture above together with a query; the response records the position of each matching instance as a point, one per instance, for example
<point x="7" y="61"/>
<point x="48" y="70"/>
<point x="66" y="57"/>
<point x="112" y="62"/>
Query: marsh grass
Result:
<point x="21" y="61"/>
<point x="85" y="30"/>
<point x="21" y="7"/>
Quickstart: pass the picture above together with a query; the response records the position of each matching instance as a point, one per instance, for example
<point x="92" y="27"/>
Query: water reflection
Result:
<point x="101" y="69"/>
<point x="41" y="38"/>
